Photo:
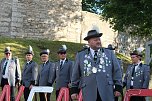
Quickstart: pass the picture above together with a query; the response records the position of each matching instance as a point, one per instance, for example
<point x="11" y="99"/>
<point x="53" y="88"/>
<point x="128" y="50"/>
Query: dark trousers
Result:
<point x="26" y="93"/>
<point x="12" y="90"/>
<point x="45" y="96"/>
<point x="57" y="93"/>
<point x="116" y="98"/>
<point x="98" y="96"/>
<point x="137" y="98"/>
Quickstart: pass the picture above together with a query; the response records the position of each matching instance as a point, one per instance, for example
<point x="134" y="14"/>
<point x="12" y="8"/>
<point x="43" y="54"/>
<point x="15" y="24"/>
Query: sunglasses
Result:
<point x="62" y="53"/>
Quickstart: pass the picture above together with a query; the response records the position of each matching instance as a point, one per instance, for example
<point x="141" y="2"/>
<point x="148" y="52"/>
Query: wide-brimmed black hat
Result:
<point x="7" y="50"/>
<point x="29" y="50"/>
<point x="47" y="51"/>
<point x="110" y="47"/>
<point x="62" y="49"/>
<point x="92" y="34"/>
<point x="135" y="52"/>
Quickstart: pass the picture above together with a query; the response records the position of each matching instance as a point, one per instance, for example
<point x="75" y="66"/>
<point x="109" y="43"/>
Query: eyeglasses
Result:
<point x="62" y="53"/>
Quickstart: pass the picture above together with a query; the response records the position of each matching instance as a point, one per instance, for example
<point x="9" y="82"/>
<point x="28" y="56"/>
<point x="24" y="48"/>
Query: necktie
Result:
<point x="61" y="63"/>
<point x="133" y="71"/>
<point x="27" y="63"/>
<point x="43" y="64"/>
<point x="95" y="56"/>
<point x="5" y="67"/>
<point x="132" y="77"/>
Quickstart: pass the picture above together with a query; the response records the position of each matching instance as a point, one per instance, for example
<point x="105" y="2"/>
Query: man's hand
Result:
<point x="18" y="85"/>
<point x="116" y="93"/>
<point x="31" y="86"/>
<point x="74" y="96"/>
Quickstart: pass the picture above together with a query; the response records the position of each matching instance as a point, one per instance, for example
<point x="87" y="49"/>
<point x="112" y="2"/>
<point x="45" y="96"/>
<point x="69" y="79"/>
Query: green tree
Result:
<point x="132" y="16"/>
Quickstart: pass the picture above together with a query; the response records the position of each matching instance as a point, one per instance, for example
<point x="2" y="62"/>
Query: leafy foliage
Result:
<point x="132" y="16"/>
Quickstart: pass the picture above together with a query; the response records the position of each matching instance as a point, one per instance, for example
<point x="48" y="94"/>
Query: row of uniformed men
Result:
<point x="96" y="71"/>
<point x="32" y="74"/>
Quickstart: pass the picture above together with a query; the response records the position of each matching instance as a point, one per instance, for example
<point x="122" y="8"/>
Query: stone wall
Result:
<point x="50" y="19"/>
<point x="5" y="17"/>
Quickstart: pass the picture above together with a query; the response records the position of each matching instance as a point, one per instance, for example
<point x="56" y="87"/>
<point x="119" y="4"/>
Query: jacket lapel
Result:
<point x="131" y="70"/>
<point x="64" y="65"/>
<point x="27" y="65"/>
<point x="99" y="55"/>
<point x="89" y="56"/>
<point x="45" y="66"/>
<point x="139" y="67"/>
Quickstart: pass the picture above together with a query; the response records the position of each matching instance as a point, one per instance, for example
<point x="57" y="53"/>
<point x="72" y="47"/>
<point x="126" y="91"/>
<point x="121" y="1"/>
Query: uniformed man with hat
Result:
<point x="95" y="71"/>
<point x="45" y="74"/>
<point x="63" y="71"/>
<point x="29" y="73"/>
<point x="137" y="75"/>
<point x="10" y="73"/>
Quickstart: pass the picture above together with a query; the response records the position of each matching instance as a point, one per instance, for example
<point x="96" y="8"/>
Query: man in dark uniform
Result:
<point x="45" y="74"/>
<point x="10" y="73"/>
<point x="29" y="73"/>
<point x="95" y="71"/>
<point x="62" y="75"/>
<point x="137" y="75"/>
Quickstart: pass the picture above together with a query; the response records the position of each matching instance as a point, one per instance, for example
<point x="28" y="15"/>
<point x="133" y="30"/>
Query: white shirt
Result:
<point x="28" y="62"/>
<point x="44" y="63"/>
<point x="92" y="51"/>
<point x="136" y="67"/>
<point x="7" y="67"/>
<point x="62" y="61"/>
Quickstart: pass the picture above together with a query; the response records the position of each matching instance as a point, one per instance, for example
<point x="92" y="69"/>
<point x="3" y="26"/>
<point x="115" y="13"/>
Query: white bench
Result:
<point x="39" y="89"/>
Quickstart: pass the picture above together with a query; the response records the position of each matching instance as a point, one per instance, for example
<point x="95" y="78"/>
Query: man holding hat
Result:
<point x="137" y="75"/>
<point x="96" y="70"/>
<point x="45" y="74"/>
<point x="10" y="73"/>
<point x="29" y="73"/>
<point x="63" y="71"/>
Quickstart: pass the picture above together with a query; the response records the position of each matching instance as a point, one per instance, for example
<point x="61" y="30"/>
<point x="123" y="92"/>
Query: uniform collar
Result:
<point x="63" y="60"/>
<point x="46" y="62"/>
<point x="29" y="62"/>
<point x="137" y="64"/>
